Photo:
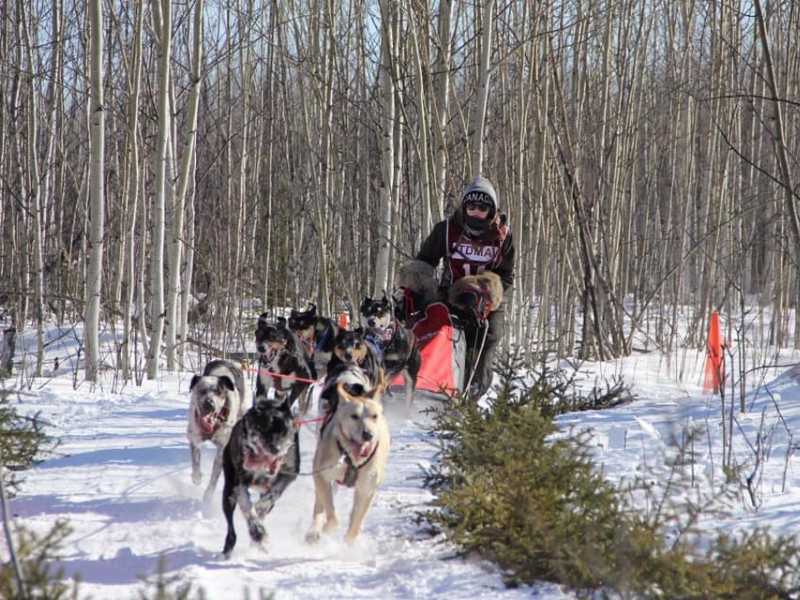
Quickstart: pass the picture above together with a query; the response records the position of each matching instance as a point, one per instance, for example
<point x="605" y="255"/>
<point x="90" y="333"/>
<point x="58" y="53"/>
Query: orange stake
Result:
<point x="343" y="320"/>
<point x="715" y="368"/>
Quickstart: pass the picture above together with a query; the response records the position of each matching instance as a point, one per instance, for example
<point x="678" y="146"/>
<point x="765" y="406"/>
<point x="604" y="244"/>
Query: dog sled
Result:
<point x="442" y="344"/>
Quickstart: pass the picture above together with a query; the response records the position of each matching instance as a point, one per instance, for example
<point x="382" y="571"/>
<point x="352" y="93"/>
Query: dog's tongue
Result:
<point x="364" y="450"/>
<point x="207" y="423"/>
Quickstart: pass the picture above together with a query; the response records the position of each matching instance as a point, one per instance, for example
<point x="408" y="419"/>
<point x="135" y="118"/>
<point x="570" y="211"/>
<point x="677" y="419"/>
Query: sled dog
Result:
<point x="352" y="450"/>
<point x="317" y="333"/>
<point x="351" y="350"/>
<point x="399" y="352"/>
<point x="262" y="454"/>
<point x="284" y="364"/>
<point x="217" y="402"/>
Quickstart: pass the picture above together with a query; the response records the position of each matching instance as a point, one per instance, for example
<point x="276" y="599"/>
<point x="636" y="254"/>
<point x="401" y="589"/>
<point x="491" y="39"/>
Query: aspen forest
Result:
<point x="170" y="169"/>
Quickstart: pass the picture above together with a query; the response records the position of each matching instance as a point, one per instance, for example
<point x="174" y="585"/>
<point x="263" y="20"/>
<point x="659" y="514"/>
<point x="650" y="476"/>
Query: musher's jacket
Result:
<point x="463" y="255"/>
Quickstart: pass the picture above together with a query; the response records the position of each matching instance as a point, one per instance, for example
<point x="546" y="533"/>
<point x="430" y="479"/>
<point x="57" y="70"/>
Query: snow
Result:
<point x="121" y="477"/>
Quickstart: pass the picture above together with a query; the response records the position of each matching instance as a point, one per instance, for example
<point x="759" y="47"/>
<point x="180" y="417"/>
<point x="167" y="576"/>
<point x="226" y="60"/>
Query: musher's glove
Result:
<point x="477" y="302"/>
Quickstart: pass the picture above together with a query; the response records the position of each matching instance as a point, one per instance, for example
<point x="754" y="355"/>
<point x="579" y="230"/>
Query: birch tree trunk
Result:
<point x="160" y="183"/>
<point x="479" y="117"/>
<point x="424" y="126"/>
<point x="384" y="225"/>
<point x="96" y="194"/>
<point x="130" y="201"/>
<point x="441" y="98"/>
<point x="34" y="199"/>
<point x="778" y="133"/>
<point x="185" y="175"/>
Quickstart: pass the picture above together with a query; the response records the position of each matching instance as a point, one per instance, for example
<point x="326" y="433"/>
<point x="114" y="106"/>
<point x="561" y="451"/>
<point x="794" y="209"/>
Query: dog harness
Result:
<point x="351" y="474"/>
<point x="387" y="341"/>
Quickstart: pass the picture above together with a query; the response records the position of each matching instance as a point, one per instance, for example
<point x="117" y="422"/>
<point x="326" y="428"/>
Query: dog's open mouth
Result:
<point x="385" y="333"/>
<point x="208" y="422"/>
<point x="260" y="460"/>
<point x="267" y="357"/>
<point x="361" y="449"/>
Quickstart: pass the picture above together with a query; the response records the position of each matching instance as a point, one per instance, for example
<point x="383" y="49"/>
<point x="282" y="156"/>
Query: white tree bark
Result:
<point x="185" y="174"/>
<point x="384" y="225"/>
<point x="96" y="194"/>
<point x="34" y="197"/>
<point x="157" y="314"/>
<point x="484" y="74"/>
<point x="131" y="200"/>
<point x="441" y="95"/>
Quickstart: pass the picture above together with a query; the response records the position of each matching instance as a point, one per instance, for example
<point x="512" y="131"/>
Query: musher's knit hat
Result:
<point x="481" y="190"/>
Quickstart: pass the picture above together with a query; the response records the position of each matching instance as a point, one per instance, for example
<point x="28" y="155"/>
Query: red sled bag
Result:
<point x="443" y="350"/>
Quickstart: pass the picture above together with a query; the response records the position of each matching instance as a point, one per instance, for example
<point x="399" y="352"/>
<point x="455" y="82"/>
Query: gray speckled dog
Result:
<point x="218" y="401"/>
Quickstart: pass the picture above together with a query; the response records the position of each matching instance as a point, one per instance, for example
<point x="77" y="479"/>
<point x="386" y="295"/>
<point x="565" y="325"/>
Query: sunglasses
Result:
<point x="476" y="206"/>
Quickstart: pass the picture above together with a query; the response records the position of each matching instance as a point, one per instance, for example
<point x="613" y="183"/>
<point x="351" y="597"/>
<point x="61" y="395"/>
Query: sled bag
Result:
<point x="443" y="350"/>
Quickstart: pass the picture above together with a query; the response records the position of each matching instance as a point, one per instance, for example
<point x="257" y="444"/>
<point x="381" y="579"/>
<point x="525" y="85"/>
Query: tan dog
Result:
<point x="352" y="450"/>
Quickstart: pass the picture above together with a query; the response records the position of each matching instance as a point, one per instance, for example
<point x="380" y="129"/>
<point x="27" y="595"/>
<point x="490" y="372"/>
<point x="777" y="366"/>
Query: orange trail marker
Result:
<point x="343" y="320"/>
<point x="715" y="373"/>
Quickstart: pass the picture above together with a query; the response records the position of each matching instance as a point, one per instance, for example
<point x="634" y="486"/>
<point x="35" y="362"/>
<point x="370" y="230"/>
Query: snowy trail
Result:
<point x="122" y="479"/>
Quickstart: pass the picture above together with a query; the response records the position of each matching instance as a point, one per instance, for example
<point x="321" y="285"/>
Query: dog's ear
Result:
<point x="282" y="322"/>
<point x="350" y="391"/>
<point x="226" y="382"/>
<point x="263" y="321"/>
<point x="194" y="381"/>
<point x="365" y="304"/>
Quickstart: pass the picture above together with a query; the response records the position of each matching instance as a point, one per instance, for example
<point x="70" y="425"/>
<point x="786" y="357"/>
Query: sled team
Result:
<point x="257" y="440"/>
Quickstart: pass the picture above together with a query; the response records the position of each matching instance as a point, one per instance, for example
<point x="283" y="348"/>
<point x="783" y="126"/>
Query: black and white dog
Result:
<point x="285" y="365"/>
<point x="262" y="455"/>
<point x="317" y="333"/>
<point x="399" y="351"/>
<point x="351" y="350"/>
<point x="218" y="401"/>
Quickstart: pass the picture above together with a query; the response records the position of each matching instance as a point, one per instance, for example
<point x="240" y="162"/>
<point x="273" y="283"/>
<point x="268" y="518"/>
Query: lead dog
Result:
<point x="217" y="402"/>
<point x="398" y="347"/>
<point x="262" y="455"/>
<point x="284" y="364"/>
<point x="352" y="450"/>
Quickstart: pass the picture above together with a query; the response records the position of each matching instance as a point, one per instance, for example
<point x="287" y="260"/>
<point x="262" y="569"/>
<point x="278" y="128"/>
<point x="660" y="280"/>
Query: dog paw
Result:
<point x="331" y="525"/>
<point x="257" y="532"/>
<point x="351" y="538"/>
<point x="313" y="537"/>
